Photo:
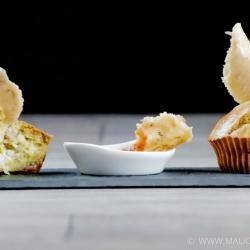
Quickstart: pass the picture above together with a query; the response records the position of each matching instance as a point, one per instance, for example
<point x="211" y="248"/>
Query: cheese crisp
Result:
<point x="11" y="100"/>
<point x="161" y="133"/>
<point x="236" y="72"/>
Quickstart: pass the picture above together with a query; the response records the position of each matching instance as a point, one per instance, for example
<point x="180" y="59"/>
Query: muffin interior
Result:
<point x="235" y="124"/>
<point x="242" y="128"/>
<point x="23" y="146"/>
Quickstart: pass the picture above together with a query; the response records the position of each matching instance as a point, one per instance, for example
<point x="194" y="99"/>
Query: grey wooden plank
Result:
<point x="121" y="219"/>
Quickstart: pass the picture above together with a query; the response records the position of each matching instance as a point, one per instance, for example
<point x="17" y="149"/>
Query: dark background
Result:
<point x="138" y="59"/>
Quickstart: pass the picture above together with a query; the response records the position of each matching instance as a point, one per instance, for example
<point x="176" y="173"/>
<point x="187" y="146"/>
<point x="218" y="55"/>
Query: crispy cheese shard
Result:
<point x="11" y="100"/>
<point x="161" y="133"/>
<point x="236" y="71"/>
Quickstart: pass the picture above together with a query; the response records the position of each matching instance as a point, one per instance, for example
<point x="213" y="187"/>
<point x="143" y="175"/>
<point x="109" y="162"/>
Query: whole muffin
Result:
<point x="230" y="139"/>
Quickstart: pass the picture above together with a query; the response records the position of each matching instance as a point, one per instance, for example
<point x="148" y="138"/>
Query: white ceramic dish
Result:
<point x="116" y="159"/>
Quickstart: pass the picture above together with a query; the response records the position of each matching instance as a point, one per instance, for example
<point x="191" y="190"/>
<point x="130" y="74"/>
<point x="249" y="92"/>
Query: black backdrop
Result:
<point x="119" y="58"/>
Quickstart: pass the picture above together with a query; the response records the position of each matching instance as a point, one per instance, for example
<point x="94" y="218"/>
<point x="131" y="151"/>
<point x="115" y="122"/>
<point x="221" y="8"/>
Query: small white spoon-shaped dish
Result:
<point x="116" y="159"/>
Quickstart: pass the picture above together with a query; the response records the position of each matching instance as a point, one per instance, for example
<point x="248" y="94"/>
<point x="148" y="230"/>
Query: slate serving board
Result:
<point x="71" y="178"/>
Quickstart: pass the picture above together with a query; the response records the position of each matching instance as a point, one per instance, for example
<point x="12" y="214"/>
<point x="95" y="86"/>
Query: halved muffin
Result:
<point x="24" y="148"/>
<point x="230" y="139"/>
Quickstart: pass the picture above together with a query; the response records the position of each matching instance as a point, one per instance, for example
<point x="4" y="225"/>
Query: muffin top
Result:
<point x="236" y="123"/>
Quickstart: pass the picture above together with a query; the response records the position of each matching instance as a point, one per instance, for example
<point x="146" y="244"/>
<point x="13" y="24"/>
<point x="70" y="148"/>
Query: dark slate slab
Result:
<point x="71" y="178"/>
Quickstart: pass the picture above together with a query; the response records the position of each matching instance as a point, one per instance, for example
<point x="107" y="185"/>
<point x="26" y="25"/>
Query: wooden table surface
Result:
<point x="176" y="218"/>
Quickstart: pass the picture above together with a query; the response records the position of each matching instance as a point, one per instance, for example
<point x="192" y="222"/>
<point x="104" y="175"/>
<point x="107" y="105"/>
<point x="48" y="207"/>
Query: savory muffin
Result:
<point x="230" y="138"/>
<point x="161" y="133"/>
<point x="23" y="147"/>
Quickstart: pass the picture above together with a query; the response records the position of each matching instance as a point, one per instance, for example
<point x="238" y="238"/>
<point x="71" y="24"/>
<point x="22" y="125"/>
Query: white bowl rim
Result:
<point x="115" y="150"/>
